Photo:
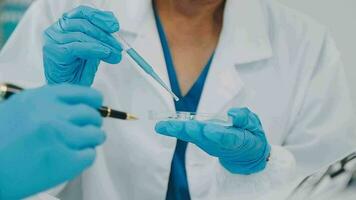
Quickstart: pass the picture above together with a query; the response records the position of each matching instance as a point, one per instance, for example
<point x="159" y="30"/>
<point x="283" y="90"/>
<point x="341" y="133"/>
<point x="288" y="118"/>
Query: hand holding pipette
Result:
<point x="77" y="42"/>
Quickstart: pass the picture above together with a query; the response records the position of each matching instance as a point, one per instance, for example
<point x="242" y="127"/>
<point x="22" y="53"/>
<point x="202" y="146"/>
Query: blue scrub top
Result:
<point x="178" y="183"/>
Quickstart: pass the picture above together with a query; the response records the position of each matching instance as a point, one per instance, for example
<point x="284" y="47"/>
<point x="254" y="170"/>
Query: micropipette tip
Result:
<point x="175" y="97"/>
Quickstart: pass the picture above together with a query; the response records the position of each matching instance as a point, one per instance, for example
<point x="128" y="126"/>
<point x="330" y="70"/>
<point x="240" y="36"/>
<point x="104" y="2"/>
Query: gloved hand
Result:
<point x="76" y="43"/>
<point x="47" y="136"/>
<point x="241" y="149"/>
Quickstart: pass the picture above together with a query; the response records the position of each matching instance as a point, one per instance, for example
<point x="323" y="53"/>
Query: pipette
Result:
<point x="143" y="64"/>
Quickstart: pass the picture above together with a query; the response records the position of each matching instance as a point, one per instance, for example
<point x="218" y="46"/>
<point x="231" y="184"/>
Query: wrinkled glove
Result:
<point x="241" y="149"/>
<point x="76" y="43"/>
<point x="47" y="137"/>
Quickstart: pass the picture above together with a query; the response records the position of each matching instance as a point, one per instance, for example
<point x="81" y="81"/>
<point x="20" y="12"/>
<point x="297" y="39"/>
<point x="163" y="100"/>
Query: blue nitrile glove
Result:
<point x="47" y="136"/>
<point x="76" y="43"/>
<point x="241" y="149"/>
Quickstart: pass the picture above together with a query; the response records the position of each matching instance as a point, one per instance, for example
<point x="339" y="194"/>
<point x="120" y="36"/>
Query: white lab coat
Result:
<point x="275" y="61"/>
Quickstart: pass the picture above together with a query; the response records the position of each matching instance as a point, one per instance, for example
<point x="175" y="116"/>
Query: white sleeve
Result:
<point x="279" y="171"/>
<point x="322" y="133"/>
<point x="324" y="129"/>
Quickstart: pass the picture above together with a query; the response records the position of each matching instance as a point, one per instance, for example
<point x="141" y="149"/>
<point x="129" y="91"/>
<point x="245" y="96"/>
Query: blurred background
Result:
<point x="338" y="15"/>
<point x="11" y="12"/>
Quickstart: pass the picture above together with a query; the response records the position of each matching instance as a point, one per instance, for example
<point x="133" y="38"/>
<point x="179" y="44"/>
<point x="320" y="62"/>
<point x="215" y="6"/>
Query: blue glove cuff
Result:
<point x="247" y="167"/>
<point x="70" y="74"/>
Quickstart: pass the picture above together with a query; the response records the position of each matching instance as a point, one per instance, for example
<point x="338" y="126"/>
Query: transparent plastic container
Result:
<point x="186" y="116"/>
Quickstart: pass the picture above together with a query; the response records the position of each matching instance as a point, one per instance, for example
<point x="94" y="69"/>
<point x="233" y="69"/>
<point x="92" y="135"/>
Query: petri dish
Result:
<point x="223" y="120"/>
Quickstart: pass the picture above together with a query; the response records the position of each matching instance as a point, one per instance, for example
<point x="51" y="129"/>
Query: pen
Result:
<point x="7" y="90"/>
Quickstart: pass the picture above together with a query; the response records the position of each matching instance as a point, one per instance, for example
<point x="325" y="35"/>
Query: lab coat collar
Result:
<point x="130" y="13"/>
<point x="245" y="31"/>
<point x="244" y="39"/>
